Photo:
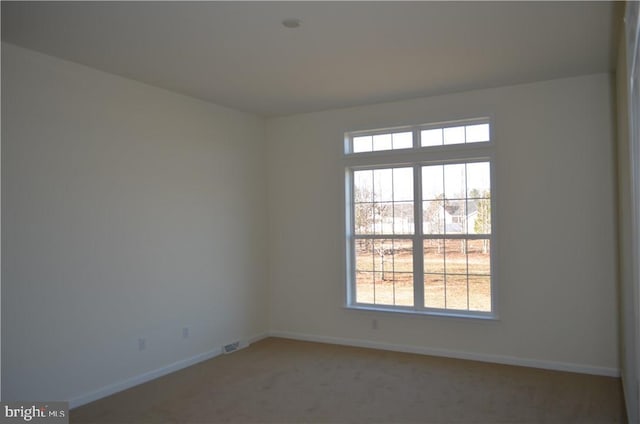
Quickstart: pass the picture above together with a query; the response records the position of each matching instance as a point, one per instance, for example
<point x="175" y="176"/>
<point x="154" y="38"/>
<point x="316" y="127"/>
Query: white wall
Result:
<point x="555" y="234"/>
<point x="628" y="220"/>
<point x="128" y="211"/>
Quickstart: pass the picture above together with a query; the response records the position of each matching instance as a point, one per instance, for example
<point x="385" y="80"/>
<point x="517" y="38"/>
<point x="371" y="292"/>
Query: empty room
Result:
<point x="320" y="212"/>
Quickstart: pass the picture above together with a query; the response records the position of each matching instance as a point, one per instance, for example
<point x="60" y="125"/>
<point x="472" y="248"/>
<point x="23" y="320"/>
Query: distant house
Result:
<point x="453" y="218"/>
<point x="456" y="217"/>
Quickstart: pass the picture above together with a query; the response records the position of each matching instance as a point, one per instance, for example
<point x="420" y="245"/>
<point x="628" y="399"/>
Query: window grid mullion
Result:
<point x="393" y="268"/>
<point x="466" y="215"/>
<point x="351" y="297"/>
<point x="373" y="274"/>
<point x="457" y="236"/>
<point x="444" y="231"/>
<point x="393" y="230"/>
<point x="386" y="236"/>
<point x="418" y="251"/>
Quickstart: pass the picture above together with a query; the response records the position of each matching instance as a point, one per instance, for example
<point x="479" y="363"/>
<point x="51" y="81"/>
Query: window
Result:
<point x="419" y="220"/>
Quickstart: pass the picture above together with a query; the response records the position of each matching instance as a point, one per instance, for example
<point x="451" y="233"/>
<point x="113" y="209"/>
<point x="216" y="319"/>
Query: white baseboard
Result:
<point x="257" y="338"/>
<point x="150" y="375"/>
<point x="482" y="357"/>
<point x="142" y="378"/>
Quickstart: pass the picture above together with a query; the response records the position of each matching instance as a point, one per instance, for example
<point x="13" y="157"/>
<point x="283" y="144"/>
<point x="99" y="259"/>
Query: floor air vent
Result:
<point x="231" y="347"/>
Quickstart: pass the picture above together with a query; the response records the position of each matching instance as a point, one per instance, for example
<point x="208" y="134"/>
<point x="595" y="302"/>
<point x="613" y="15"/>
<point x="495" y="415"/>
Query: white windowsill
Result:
<point x="483" y="316"/>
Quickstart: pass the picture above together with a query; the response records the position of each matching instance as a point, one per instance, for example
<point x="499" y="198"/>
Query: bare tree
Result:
<point x="483" y="219"/>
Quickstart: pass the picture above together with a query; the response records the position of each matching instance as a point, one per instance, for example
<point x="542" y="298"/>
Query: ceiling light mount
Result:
<point x="291" y="23"/>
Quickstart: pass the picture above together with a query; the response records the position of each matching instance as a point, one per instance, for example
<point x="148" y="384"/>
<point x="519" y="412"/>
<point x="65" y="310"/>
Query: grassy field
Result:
<point x="456" y="274"/>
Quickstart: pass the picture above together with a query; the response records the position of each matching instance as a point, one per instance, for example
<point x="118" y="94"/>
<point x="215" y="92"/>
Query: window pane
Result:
<point x="455" y="256"/>
<point x="479" y="256"/>
<point x="393" y="264"/>
<point x="392" y="255"/>
<point x="383" y="185"/>
<point x="433" y="256"/>
<point x="403" y="285"/>
<point x="402" y="184"/>
<point x="383" y="257"/>
<point x="432" y="182"/>
<point x="382" y="142"/>
<point x="455" y="216"/>
<point x="434" y="291"/>
<point x="480" y="293"/>
<point x="454" y="181"/>
<point x="478" y="180"/>
<point x="477" y="133"/>
<point x="362" y="186"/>
<point x="365" y="289"/>
<point x="384" y="288"/>
<point x="403" y="256"/>
<point x="363" y="217"/>
<point x="454" y="135"/>
<point x="457" y="293"/>
<point x="364" y="255"/>
<point x="403" y="218"/>
<point x="403" y="140"/>
<point x="383" y="218"/>
<point x="392" y="210"/>
<point x="479" y="221"/>
<point x="431" y="137"/>
<point x="362" y="144"/>
<point x="433" y="215"/>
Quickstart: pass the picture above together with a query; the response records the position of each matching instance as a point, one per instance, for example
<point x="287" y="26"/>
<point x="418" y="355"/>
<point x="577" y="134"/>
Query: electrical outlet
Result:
<point x="374" y="324"/>
<point x="142" y="343"/>
<point x="185" y="332"/>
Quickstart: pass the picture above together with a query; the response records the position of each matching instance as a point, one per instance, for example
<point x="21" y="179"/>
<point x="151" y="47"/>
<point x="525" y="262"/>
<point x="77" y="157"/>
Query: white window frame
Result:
<point x="416" y="157"/>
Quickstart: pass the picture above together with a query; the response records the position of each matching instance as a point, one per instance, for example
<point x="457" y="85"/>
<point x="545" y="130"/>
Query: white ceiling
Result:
<point x="238" y="54"/>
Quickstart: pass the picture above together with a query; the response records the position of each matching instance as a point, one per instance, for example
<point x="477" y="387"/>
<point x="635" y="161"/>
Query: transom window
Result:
<point x="419" y="221"/>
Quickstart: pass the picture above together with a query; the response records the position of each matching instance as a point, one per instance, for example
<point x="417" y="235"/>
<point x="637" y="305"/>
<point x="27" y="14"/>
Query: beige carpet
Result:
<point x="286" y="381"/>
